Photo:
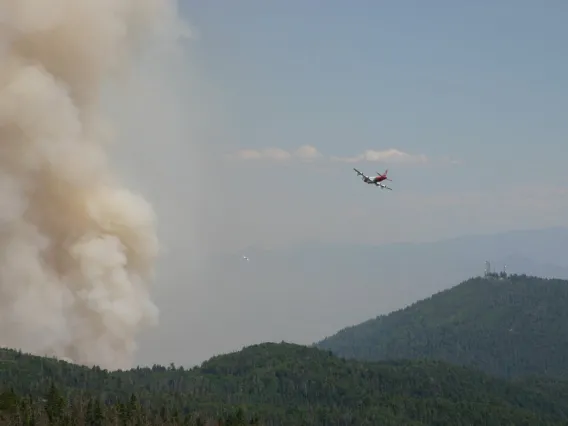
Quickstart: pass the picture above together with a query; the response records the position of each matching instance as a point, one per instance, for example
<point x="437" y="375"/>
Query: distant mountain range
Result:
<point x="306" y="292"/>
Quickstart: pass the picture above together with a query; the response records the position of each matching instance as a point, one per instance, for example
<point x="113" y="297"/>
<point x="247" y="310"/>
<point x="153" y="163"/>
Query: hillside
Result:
<point x="513" y="327"/>
<point x="287" y="384"/>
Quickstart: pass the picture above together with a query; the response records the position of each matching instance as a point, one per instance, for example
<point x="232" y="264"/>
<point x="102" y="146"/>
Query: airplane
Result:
<point x="376" y="180"/>
<point x="246" y="258"/>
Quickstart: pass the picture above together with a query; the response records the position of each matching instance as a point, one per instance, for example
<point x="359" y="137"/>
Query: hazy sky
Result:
<point x="473" y="92"/>
<point x="251" y="136"/>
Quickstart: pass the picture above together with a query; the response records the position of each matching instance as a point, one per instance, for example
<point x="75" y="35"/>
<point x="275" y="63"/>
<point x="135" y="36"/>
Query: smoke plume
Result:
<point x="76" y="249"/>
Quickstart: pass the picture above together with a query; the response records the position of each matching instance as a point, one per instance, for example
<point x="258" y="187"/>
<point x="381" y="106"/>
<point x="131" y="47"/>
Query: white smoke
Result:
<point x="76" y="249"/>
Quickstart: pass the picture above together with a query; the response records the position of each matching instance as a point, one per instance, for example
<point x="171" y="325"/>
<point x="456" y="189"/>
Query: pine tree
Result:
<point x="54" y="405"/>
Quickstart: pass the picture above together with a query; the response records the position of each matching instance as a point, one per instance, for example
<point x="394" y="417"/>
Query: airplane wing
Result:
<point x="358" y="172"/>
<point x="383" y="186"/>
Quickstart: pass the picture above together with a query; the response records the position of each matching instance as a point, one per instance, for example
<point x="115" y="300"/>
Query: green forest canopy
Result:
<point x="283" y="384"/>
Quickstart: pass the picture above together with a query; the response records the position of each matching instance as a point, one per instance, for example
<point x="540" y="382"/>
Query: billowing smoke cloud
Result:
<point x="76" y="249"/>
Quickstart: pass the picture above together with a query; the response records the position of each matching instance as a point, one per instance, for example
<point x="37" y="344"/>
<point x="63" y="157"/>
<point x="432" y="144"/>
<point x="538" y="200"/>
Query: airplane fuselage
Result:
<point x="375" y="179"/>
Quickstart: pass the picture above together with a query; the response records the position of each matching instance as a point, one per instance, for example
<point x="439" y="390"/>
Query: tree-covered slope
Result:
<point x="510" y="327"/>
<point x="290" y="384"/>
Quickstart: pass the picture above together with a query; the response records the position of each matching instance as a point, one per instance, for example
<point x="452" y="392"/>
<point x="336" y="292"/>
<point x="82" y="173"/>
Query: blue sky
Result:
<point x="483" y="83"/>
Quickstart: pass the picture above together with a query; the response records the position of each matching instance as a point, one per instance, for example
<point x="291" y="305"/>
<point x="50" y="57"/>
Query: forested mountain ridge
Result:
<point x="512" y="327"/>
<point x="284" y="384"/>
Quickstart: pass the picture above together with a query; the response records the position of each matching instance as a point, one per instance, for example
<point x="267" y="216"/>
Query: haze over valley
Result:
<point x="306" y="292"/>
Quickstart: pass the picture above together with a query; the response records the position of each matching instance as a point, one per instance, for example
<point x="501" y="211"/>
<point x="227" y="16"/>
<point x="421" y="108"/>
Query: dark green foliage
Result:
<point x="280" y="384"/>
<point x="511" y="327"/>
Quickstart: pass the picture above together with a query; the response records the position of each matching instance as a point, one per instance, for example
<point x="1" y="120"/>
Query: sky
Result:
<point x="249" y="140"/>
<point x="463" y="103"/>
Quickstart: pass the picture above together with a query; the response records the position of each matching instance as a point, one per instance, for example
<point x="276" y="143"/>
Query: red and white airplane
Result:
<point x="375" y="180"/>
